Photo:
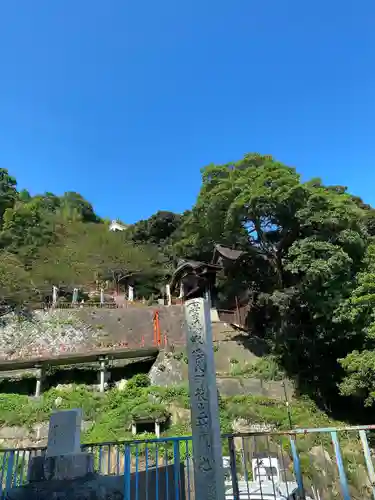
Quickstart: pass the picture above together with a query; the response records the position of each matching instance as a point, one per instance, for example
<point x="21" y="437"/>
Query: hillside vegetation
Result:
<point x="112" y="413"/>
<point x="308" y="273"/>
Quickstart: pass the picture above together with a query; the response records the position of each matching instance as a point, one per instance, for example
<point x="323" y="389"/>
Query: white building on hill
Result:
<point x="117" y="226"/>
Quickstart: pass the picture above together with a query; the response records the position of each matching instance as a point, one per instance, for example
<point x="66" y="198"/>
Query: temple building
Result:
<point x="226" y="257"/>
<point x="194" y="278"/>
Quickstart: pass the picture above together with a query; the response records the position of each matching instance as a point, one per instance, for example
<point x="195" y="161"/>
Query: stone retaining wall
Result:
<point x="24" y="437"/>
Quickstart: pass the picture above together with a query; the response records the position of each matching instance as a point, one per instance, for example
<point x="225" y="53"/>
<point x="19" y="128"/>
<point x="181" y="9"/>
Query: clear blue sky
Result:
<point x="124" y="101"/>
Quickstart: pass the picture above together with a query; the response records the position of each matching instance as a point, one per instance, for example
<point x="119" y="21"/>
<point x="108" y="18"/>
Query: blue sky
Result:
<point x="124" y="101"/>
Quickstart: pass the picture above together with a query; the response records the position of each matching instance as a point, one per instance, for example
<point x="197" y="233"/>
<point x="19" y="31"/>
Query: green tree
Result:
<point x="16" y="288"/>
<point x="156" y="229"/>
<point x="26" y="228"/>
<point x="75" y="207"/>
<point x="304" y="242"/>
<point x="24" y="195"/>
<point x="85" y="253"/>
<point x="48" y="202"/>
<point x="8" y="191"/>
<point x="357" y="316"/>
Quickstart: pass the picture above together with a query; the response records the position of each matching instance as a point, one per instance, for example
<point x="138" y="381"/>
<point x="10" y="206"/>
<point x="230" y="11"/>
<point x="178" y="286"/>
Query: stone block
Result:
<point x="253" y="386"/>
<point x="63" y="467"/>
<point x="41" y="431"/>
<point x="229" y="386"/>
<point x="64" y="432"/>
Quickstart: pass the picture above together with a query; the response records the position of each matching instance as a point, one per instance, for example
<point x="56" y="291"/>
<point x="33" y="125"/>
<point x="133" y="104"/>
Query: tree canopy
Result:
<point x="61" y="241"/>
<point x="305" y="243"/>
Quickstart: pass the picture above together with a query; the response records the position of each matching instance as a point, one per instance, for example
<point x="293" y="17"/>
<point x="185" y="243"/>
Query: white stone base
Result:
<point x="60" y="467"/>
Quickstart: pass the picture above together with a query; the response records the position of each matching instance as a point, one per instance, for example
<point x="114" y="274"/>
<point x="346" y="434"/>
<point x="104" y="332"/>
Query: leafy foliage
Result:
<point x="59" y="240"/>
<point x="113" y="411"/>
<point x="8" y="191"/>
<point x="357" y="316"/>
<point x="266" y="368"/>
<point x="15" y="282"/>
<point x="157" y="229"/>
<point x="304" y="244"/>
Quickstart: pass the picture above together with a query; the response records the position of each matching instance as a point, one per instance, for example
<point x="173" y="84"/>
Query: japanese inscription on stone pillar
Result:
<point x="208" y="471"/>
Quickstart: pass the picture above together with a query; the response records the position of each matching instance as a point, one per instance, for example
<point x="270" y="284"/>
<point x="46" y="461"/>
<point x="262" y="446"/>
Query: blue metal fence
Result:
<point x="319" y="464"/>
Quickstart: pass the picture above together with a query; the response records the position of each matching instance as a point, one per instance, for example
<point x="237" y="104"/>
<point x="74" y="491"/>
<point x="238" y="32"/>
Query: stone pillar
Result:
<point x="130" y="294"/>
<point x="168" y="293"/>
<point x="134" y="429"/>
<point x="102" y="374"/>
<point x="39" y="380"/>
<point x="55" y="293"/>
<point x="157" y="429"/>
<point x="101" y="296"/>
<point x="207" y="452"/>
<point x="75" y="296"/>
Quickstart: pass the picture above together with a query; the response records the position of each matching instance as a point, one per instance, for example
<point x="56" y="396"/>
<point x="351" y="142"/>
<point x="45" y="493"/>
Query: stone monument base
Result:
<point x="90" y="487"/>
<point x="61" y="467"/>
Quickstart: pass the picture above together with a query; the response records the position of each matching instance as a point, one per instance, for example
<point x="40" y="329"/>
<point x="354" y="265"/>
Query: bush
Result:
<point x="149" y="410"/>
<point x="140" y="380"/>
<point x="20" y="410"/>
<point x="78" y="397"/>
<point x="265" y="368"/>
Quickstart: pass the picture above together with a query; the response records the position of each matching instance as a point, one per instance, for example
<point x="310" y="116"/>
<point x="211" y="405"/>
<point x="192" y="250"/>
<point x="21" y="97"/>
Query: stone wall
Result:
<point x="24" y="437"/>
<point x="233" y="386"/>
<point x="75" y="330"/>
<point x="168" y="371"/>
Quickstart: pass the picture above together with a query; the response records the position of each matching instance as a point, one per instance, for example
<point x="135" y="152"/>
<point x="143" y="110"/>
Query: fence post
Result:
<point x="176" y="465"/>
<point x="369" y="464"/>
<point x="340" y="466"/>
<point x="297" y="467"/>
<point x="9" y="476"/>
<point x="233" y="468"/>
<point x="127" y="473"/>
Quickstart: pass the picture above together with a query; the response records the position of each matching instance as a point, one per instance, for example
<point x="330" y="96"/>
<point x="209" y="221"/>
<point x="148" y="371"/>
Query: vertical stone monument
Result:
<point x="39" y="379"/>
<point x="55" y="294"/>
<point x="63" y="459"/>
<point x="130" y="294"/>
<point x="168" y="294"/>
<point x="207" y="452"/>
<point x="64" y="472"/>
<point x="75" y="296"/>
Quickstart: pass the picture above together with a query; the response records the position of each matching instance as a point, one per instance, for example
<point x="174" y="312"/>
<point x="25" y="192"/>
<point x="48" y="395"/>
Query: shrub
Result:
<point x="149" y="410"/>
<point x="265" y="368"/>
<point x="139" y="380"/>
